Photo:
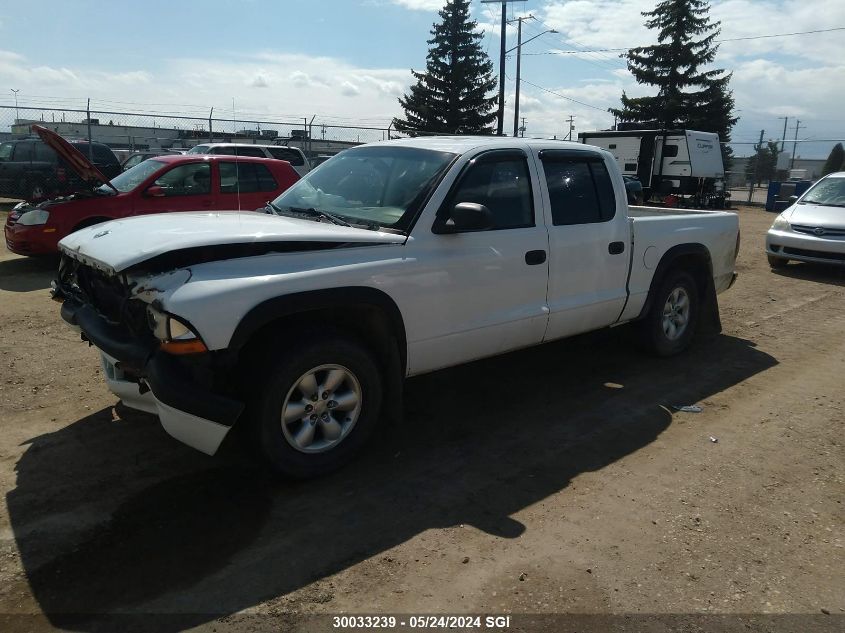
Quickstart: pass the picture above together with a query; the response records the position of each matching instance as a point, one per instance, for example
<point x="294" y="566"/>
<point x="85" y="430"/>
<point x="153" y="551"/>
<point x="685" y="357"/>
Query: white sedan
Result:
<point x="813" y="228"/>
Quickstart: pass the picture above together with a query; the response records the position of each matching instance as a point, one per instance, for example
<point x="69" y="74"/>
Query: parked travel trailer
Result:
<point x="684" y="166"/>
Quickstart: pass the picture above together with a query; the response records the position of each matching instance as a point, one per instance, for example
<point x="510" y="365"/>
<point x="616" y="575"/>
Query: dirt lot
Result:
<point x="554" y="480"/>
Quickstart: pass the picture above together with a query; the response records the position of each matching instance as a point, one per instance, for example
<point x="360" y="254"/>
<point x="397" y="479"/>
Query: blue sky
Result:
<point x="348" y="60"/>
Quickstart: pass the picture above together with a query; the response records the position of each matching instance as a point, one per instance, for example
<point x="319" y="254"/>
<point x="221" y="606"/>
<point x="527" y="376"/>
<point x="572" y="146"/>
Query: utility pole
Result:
<point x="518" y="49"/>
<point x="518" y="68"/>
<point x="16" y="91"/>
<point x="798" y="126"/>
<point x="88" y="120"/>
<point x="522" y="128"/>
<point x="756" y="173"/>
<point x="785" y="121"/>
<point x="571" y="127"/>
<point x="500" y="125"/>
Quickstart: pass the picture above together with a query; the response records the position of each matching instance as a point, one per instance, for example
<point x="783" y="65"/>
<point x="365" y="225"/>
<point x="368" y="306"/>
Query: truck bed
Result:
<point x="647" y="212"/>
<point x="655" y="230"/>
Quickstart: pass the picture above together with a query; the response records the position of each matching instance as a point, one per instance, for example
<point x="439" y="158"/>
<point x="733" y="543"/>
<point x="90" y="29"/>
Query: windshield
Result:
<point x="830" y="192"/>
<point x="377" y="185"/>
<point x="198" y="149"/>
<point x="133" y="176"/>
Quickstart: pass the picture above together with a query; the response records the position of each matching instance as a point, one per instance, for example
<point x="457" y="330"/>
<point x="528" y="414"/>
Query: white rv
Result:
<point x="680" y="162"/>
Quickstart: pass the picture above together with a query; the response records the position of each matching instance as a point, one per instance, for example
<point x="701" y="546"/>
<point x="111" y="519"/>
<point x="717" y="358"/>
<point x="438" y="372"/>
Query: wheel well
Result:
<point x="366" y="322"/>
<point x="697" y="265"/>
<point x="695" y="260"/>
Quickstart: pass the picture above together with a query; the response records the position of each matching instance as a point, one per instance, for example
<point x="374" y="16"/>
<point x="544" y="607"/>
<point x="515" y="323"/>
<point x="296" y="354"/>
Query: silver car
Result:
<point x="813" y="228"/>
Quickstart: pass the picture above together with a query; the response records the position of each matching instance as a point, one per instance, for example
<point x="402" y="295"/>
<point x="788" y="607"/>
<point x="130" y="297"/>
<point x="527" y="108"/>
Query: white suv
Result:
<point x="293" y="155"/>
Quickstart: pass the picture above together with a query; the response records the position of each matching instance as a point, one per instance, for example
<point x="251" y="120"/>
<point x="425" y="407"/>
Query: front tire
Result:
<point x="670" y="325"/>
<point x="318" y="404"/>
<point x="777" y="262"/>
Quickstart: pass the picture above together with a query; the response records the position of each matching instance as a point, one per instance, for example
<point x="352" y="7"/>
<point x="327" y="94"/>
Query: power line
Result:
<point x="732" y="39"/>
<point x="557" y="94"/>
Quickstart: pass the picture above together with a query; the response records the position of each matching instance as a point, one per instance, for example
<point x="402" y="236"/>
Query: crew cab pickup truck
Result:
<point x="391" y="260"/>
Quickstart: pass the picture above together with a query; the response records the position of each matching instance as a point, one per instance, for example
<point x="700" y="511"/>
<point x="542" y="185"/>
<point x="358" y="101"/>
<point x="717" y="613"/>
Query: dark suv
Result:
<point x="31" y="170"/>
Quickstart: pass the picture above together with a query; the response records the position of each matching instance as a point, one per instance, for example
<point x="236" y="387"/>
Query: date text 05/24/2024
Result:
<point x="421" y="622"/>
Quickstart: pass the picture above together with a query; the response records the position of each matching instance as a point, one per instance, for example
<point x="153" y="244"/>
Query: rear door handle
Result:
<point x="533" y="258"/>
<point x="615" y="248"/>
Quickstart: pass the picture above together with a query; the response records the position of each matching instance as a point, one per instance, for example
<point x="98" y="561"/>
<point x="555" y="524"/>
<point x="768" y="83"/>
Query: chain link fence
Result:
<point x="136" y="131"/>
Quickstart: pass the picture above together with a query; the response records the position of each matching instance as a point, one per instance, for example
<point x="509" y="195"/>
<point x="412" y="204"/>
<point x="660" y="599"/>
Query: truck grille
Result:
<point x="817" y="231"/>
<point x="108" y="294"/>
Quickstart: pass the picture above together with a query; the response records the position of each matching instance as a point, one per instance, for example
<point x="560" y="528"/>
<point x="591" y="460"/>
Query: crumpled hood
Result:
<point x="817" y="215"/>
<point x="121" y="244"/>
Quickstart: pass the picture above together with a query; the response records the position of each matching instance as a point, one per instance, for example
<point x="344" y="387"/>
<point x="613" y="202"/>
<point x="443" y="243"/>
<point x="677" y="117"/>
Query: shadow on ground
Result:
<point x="112" y="517"/>
<point x="22" y="274"/>
<point x="822" y="273"/>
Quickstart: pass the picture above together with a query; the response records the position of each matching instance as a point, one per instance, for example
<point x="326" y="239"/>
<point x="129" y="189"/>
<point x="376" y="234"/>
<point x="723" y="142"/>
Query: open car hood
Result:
<point x="175" y="240"/>
<point x="74" y="159"/>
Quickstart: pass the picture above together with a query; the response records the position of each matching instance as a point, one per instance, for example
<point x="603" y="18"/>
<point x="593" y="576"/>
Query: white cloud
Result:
<point x="420" y="5"/>
<point x="348" y="89"/>
<point x="292" y="86"/>
<point x="259" y="81"/>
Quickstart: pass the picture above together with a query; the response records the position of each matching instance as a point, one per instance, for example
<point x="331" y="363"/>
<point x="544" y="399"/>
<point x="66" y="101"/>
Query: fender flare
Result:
<point x="710" y="320"/>
<point x="296" y="303"/>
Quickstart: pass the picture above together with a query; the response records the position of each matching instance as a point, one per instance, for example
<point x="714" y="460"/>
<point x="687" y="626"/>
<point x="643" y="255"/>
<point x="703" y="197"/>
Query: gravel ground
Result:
<point x="553" y="480"/>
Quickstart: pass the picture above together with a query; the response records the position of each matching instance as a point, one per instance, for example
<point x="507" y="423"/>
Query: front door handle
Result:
<point x="533" y="258"/>
<point x="615" y="248"/>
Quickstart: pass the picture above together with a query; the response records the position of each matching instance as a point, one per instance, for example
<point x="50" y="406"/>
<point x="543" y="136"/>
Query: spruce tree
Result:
<point x="452" y="95"/>
<point x="835" y="161"/>
<point x="689" y="93"/>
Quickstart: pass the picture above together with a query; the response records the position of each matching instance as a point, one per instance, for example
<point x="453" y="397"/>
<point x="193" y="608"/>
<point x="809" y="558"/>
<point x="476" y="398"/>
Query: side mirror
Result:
<point x="793" y="199"/>
<point x="154" y="191"/>
<point x="467" y="216"/>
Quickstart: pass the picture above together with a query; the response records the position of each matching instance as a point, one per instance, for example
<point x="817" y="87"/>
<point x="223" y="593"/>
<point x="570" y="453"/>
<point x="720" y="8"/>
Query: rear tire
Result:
<point x="669" y="326"/>
<point x="316" y="404"/>
<point x="777" y="262"/>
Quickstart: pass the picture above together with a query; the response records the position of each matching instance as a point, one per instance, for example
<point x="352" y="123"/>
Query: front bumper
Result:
<point x="805" y="248"/>
<point x="39" y="239"/>
<point x="150" y="380"/>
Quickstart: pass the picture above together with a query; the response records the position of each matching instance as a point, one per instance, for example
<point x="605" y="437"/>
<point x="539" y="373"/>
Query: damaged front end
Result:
<point x="152" y="360"/>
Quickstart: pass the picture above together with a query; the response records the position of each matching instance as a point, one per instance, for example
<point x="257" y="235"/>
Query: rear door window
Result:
<point x="245" y="178"/>
<point x="23" y="151"/>
<point x="283" y="153"/>
<point x="580" y="189"/>
<point x="44" y="153"/>
<point x="6" y="151"/>
<point x="255" y="152"/>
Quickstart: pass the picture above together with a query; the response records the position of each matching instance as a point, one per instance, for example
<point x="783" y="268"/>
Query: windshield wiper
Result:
<point x="319" y="214"/>
<point x="273" y="206"/>
<point x="822" y="204"/>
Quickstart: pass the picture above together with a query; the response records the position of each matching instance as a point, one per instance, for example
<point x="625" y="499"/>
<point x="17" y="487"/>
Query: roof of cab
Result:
<point x="463" y="144"/>
<point x="186" y="158"/>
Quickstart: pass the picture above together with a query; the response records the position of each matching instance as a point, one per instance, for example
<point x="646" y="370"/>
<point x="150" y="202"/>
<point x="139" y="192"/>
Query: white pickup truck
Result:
<point x="390" y="260"/>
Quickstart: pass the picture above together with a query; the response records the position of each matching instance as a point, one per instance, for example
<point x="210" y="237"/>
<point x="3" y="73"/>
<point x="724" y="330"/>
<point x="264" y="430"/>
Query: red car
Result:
<point x="197" y="182"/>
